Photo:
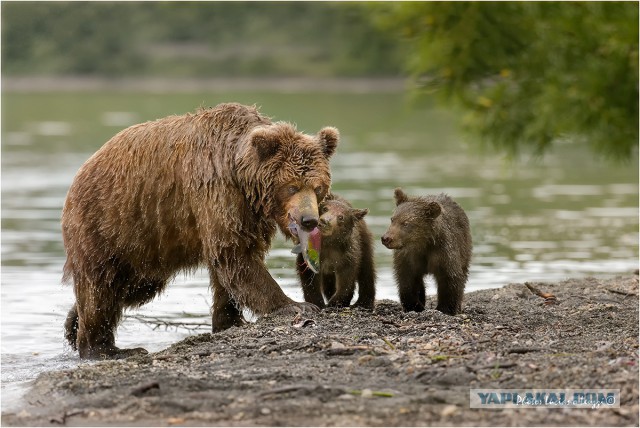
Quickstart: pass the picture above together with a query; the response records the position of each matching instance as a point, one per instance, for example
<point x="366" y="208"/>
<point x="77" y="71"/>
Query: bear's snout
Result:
<point x="309" y="222"/>
<point x="386" y="241"/>
<point x="302" y="209"/>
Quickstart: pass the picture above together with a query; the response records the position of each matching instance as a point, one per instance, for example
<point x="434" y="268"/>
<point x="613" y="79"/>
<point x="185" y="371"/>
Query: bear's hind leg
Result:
<point x="450" y="293"/>
<point x="225" y="311"/>
<point x="98" y="317"/>
<point x="71" y="327"/>
<point x="99" y="305"/>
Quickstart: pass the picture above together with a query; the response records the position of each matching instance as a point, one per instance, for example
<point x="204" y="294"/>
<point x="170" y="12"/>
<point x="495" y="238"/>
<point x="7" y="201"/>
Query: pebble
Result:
<point x="448" y="410"/>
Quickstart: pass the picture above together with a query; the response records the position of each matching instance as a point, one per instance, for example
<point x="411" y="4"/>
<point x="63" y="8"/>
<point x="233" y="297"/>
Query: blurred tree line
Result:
<point x="194" y="39"/>
<point x="527" y="73"/>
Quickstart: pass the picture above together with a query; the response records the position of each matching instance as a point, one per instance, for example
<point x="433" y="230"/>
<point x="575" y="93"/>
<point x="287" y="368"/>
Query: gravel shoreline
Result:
<point x="353" y="367"/>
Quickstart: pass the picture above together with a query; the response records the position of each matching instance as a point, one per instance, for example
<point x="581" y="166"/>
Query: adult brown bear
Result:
<point x="208" y="188"/>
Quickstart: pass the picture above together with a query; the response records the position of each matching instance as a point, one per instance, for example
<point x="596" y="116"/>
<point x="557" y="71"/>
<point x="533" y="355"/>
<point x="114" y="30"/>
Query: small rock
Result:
<point x="265" y="411"/>
<point x="365" y="359"/>
<point x="448" y="410"/>
<point x="366" y="393"/>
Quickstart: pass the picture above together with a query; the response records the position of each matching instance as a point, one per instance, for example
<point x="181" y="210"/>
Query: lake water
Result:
<point x="565" y="215"/>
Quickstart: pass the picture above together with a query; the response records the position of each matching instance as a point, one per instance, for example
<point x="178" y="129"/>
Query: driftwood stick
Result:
<point x="549" y="298"/>
<point x="156" y="323"/>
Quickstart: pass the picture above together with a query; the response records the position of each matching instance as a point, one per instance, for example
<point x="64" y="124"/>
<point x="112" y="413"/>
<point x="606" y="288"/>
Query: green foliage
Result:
<point x="51" y="37"/>
<point x="194" y="39"/>
<point x="528" y="74"/>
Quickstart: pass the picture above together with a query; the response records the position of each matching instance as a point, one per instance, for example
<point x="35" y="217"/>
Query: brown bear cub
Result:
<point x="346" y="257"/>
<point x="209" y="188"/>
<point x="429" y="235"/>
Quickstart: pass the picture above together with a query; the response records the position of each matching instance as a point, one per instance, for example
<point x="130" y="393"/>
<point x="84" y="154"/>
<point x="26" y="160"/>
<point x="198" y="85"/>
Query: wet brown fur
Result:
<point x="346" y="257"/>
<point x="208" y="188"/>
<point x="429" y="235"/>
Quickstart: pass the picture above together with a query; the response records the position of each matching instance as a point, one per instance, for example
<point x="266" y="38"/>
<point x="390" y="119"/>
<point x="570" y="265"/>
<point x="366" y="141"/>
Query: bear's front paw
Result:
<point x="295" y="308"/>
<point x="368" y="305"/>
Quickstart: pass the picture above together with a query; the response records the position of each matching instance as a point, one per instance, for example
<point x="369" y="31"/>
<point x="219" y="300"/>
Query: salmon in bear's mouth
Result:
<point x="308" y="244"/>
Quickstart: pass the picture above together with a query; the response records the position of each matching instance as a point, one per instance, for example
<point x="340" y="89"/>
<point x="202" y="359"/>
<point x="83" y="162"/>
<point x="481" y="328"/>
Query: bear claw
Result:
<point x="301" y="308"/>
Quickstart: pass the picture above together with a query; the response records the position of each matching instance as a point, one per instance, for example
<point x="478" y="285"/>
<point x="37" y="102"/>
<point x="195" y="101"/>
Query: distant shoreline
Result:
<point x="186" y="85"/>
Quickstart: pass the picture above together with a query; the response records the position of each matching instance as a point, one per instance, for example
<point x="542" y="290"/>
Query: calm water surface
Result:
<point x="565" y="215"/>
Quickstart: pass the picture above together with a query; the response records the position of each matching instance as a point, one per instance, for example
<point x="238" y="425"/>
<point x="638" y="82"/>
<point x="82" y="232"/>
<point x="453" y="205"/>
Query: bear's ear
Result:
<point x="432" y="210"/>
<point x="359" y="214"/>
<point x="265" y="143"/>
<point x="400" y="196"/>
<point x="328" y="138"/>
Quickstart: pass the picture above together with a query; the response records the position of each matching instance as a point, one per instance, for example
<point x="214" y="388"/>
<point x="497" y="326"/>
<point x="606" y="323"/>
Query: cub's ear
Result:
<point x="265" y="142"/>
<point x="432" y="210"/>
<point x="400" y="196"/>
<point x="359" y="214"/>
<point x="328" y="138"/>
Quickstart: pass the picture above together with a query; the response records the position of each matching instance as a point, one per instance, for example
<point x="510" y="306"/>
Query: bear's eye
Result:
<point x="405" y="224"/>
<point x="324" y="210"/>
<point x="292" y="190"/>
<point x="340" y="217"/>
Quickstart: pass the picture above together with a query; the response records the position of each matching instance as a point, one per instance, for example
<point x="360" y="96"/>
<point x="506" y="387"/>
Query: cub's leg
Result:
<point x="450" y="293"/>
<point x="328" y="285"/>
<point x="366" y="279"/>
<point x="345" y="288"/>
<point x="410" y="285"/>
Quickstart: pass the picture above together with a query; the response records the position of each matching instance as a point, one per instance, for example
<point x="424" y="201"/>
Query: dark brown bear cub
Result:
<point x="429" y="235"/>
<point x="346" y="257"/>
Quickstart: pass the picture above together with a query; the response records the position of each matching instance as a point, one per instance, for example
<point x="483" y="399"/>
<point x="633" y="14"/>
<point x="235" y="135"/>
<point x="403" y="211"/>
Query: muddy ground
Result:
<point x="382" y="368"/>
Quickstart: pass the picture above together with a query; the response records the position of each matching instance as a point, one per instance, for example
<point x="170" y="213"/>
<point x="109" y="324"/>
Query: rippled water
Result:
<point x="562" y="216"/>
